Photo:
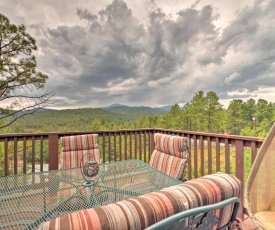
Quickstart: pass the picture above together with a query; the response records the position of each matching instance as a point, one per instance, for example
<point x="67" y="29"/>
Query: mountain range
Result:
<point x="83" y="118"/>
<point x="116" y="108"/>
<point x="153" y="110"/>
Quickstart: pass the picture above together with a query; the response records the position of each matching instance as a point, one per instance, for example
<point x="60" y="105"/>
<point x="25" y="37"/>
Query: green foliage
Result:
<point x="249" y="118"/>
<point x="82" y="120"/>
<point x="18" y="75"/>
<point x="204" y="113"/>
<point x="17" y="64"/>
<point x="235" y="119"/>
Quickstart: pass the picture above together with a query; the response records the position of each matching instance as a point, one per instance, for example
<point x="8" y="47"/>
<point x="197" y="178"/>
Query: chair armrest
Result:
<point x="183" y="179"/>
<point x="201" y="215"/>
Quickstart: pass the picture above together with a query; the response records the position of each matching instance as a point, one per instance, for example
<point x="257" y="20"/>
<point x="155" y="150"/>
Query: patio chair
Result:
<point x="260" y="186"/>
<point x="74" y="147"/>
<point x="220" y="190"/>
<point x="204" y="217"/>
<point x="170" y="154"/>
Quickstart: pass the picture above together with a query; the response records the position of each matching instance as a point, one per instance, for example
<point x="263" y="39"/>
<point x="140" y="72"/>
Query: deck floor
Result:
<point x="248" y="224"/>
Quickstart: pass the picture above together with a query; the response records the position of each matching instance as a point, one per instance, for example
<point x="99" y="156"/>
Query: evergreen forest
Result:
<point x="204" y="113"/>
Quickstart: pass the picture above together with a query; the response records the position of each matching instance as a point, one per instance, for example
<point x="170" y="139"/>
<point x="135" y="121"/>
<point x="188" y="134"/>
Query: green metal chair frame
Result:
<point x="201" y="218"/>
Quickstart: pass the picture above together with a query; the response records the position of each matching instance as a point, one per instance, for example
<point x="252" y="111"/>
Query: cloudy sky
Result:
<point x="150" y="52"/>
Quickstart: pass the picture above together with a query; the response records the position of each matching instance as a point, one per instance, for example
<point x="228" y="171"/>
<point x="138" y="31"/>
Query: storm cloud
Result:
<point x="113" y="56"/>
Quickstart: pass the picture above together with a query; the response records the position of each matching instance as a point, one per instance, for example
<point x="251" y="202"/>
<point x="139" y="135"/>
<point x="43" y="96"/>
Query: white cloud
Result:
<point x="243" y="92"/>
<point x="230" y="79"/>
<point x="150" y="52"/>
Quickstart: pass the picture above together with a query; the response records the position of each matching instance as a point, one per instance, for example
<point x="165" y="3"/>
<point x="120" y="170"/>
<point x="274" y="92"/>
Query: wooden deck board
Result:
<point x="248" y="224"/>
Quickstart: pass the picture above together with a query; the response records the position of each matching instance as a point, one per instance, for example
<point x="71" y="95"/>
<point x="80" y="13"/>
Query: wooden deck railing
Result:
<point x="210" y="153"/>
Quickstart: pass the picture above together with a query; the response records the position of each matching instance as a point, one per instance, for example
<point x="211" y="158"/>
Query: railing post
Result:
<point x="53" y="151"/>
<point x="240" y="172"/>
<point x="152" y="144"/>
<point x="6" y="157"/>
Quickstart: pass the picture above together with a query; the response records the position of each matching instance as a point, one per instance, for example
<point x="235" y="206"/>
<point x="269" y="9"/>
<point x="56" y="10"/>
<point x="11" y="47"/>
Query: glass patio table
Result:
<point x="27" y="200"/>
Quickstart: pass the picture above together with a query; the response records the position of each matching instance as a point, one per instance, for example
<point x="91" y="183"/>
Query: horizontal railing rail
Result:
<point x="210" y="152"/>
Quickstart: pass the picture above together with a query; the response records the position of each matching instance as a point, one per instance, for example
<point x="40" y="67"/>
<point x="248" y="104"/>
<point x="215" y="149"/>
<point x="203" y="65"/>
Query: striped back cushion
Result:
<point x="143" y="211"/>
<point x="172" y="145"/>
<point x="171" y="165"/>
<point x="170" y="154"/>
<point x="74" y="147"/>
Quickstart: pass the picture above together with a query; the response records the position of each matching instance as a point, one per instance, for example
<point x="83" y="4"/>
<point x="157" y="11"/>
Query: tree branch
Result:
<point x="41" y="103"/>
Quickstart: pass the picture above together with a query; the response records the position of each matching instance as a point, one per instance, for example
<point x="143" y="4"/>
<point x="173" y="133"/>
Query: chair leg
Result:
<point x="236" y="224"/>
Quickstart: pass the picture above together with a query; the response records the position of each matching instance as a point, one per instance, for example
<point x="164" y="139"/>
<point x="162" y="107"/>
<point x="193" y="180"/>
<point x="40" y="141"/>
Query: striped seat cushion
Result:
<point x="74" y="147"/>
<point x="143" y="211"/>
<point x="170" y="154"/>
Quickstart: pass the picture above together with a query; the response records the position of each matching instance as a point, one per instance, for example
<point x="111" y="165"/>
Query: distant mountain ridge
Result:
<point x="116" y="106"/>
<point x="112" y="106"/>
<point x="84" y="118"/>
<point x="153" y="110"/>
